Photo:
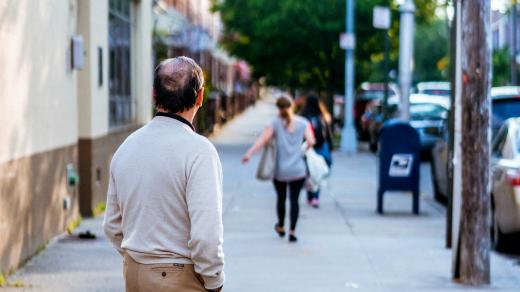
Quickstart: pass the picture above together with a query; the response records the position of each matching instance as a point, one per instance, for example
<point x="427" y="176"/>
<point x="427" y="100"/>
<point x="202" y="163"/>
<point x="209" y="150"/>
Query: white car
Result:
<point x="505" y="167"/>
<point x="434" y="88"/>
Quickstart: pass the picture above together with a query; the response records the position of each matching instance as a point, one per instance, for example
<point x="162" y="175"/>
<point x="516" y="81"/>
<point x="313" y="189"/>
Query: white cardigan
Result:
<point x="164" y="201"/>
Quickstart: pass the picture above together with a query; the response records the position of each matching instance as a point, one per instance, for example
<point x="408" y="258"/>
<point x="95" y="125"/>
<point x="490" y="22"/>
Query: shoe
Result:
<point x="315" y="203"/>
<point x="279" y="230"/>
<point x="292" y="238"/>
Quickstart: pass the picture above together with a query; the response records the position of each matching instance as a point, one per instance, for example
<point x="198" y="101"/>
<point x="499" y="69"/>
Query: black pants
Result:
<point x="294" y="193"/>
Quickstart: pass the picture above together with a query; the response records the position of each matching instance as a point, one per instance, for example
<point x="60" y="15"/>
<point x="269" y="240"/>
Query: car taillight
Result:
<point x="513" y="177"/>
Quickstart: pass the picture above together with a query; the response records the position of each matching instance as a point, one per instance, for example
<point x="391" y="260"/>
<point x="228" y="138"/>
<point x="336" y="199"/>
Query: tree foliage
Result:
<point x="295" y="43"/>
<point x="431" y="51"/>
<point x="501" y="68"/>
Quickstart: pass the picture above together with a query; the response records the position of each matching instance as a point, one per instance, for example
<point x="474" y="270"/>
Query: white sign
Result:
<point x="401" y="165"/>
<point x="347" y="41"/>
<point x="381" y="17"/>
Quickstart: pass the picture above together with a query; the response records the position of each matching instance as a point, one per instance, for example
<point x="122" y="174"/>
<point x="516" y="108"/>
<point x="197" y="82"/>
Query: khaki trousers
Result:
<point x="161" y="277"/>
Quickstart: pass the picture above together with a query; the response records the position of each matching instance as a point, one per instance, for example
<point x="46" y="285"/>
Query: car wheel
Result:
<point x="373" y="143"/>
<point x="497" y="237"/>
<point x="436" y="190"/>
<point x="373" y="147"/>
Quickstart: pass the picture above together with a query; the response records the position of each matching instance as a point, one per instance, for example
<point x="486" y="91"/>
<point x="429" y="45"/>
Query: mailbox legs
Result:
<point x="380" y="201"/>
<point x="415" y="202"/>
<point x="415" y="207"/>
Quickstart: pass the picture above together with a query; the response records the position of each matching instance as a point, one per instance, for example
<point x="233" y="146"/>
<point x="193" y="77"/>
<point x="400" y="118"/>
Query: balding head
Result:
<point x="177" y="83"/>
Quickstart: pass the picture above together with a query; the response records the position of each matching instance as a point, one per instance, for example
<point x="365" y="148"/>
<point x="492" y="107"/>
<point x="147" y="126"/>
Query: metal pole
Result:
<point x="387" y="79"/>
<point x="406" y="55"/>
<point x="456" y="197"/>
<point x="513" y="50"/>
<point x="348" y="135"/>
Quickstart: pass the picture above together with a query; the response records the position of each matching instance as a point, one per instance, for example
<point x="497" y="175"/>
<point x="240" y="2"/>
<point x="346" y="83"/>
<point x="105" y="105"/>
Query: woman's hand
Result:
<point x="259" y="143"/>
<point x="245" y="158"/>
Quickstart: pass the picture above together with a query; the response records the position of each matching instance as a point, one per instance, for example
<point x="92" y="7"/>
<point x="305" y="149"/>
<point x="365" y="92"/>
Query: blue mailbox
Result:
<point x="399" y="160"/>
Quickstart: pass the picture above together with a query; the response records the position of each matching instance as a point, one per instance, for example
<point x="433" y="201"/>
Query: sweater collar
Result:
<point x="175" y="117"/>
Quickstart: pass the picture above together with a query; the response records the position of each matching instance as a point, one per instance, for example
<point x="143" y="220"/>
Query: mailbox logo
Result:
<point x="401" y="165"/>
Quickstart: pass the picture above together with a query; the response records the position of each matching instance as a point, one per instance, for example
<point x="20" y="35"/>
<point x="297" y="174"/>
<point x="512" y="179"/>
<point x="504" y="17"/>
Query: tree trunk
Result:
<point x="474" y="243"/>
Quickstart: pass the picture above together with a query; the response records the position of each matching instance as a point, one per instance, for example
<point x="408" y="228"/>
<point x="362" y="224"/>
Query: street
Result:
<point x="342" y="246"/>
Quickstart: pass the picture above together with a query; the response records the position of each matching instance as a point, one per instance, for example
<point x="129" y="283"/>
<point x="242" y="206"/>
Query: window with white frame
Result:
<point x="120" y="98"/>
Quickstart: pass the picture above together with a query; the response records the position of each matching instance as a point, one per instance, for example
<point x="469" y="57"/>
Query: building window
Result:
<point x="120" y="107"/>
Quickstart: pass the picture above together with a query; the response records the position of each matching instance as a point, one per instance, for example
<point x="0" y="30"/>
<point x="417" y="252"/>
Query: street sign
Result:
<point x="347" y="41"/>
<point x="381" y="17"/>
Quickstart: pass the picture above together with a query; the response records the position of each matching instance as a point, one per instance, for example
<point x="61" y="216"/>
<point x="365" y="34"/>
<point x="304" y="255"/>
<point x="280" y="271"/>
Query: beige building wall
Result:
<point x="143" y="62"/>
<point x="98" y="141"/>
<point x="93" y="100"/>
<point x="54" y="118"/>
<point x="38" y="114"/>
<point x="38" y="107"/>
<point x="93" y="97"/>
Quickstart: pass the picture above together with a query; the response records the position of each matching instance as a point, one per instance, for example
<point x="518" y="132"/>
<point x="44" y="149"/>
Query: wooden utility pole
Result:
<point x="474" y="239"/>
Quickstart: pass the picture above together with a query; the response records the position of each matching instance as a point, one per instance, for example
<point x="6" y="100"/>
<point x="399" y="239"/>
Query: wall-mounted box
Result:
<point x="78" y="58"/>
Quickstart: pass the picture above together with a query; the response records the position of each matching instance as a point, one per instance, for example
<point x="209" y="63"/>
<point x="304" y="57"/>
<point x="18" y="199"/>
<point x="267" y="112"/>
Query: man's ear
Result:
<point x="200" y="98"/>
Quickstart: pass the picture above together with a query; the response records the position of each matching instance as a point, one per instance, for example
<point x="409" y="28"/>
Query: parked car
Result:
<point x="439" y="88"/>
<point x="367" y="94"/>
<point x="505" y="104"/>
<point x="428" y="115"/>
<point x="439" y="168"/>
<point x="505" y="182"/>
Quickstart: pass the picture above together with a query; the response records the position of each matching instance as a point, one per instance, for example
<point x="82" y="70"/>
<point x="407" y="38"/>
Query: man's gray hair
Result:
<point x="177" y="82"/>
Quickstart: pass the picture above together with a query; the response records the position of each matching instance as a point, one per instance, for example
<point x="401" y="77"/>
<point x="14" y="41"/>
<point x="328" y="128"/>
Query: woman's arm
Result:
<point x="309" y="136"/>
<point x="267" y="134"/>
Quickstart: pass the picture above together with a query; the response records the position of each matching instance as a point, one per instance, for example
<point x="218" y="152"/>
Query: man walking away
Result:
<point x="164" y="201"/>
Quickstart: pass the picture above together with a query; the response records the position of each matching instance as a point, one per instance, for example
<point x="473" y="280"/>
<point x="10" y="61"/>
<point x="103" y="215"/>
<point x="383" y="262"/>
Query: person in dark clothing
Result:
<point x="320" y="120"/>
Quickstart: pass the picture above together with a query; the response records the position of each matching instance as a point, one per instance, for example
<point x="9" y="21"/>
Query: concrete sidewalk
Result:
<point x="344" y="245"/>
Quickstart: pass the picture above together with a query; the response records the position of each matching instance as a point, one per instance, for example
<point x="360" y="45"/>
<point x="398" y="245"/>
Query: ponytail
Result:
<point x="284" y="105"/>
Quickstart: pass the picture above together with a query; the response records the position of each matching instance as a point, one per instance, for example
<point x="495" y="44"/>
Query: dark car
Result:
<point x="428" y="115"/>
<point x="505" y="104"/>
<point x="366" y="95"/>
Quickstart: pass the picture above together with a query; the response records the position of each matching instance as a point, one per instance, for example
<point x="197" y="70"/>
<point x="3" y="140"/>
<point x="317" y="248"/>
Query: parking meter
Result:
<point x="399" y="161"/>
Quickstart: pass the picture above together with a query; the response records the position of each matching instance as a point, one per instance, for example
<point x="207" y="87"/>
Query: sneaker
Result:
<point x="292" y="238"/>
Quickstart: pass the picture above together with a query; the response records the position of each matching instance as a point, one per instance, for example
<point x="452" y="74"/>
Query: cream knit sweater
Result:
<point x="164" y="201"/>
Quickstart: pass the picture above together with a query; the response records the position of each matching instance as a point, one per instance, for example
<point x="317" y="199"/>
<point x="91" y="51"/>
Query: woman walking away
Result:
<point x="289" y="132"/>
<point x="320" y="121"/>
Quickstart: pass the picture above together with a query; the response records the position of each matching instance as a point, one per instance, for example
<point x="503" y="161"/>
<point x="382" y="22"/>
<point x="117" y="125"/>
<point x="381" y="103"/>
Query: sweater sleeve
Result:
<point x="204" y="200"/>
<point x="112" y="223"/>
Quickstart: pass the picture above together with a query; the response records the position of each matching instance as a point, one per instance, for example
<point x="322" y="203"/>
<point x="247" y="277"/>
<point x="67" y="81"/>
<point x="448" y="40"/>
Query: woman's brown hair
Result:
<point x="284" y="105"/>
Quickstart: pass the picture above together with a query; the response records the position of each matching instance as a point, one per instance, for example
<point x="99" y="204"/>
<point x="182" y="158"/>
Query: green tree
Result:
<point x="501" y="67"/>
<point x="295" y="43"/>
<point x="431" y="51"/>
